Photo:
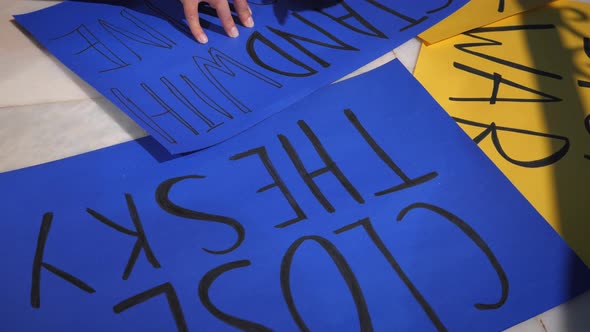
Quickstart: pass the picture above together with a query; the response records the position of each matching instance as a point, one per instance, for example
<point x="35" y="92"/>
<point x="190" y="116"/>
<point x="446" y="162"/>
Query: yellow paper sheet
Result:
<point x="521" y="89"/>
<point x="475" y="14"/>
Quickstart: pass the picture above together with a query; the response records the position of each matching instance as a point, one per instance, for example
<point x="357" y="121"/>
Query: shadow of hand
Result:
<point x="283" y="7"/>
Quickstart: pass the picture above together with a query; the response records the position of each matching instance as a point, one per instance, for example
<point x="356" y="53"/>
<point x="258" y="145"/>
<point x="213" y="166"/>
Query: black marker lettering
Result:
<point x="277" y="182"/>
<point x="251" y="49"/>
<point x="163" y="199"/>
<point x="189" y="105"/>
<point x="368" y="228"/>
<point x="352" y="14"/>
<point x="493" y="130"/>
<point x="476" y="239"/>
<point x="141" y="242"/>
<point x="174" y="21"/>
<point x="585" y="84"/>
<point x="146" y="38"/>
<point x="205" y="98"/>
<point x="187" y="102"/>
<point x="497" y="79"/>
<point x="38" y="263"/>
<point x="408" y="182"/>
<point x="347" y="274"/>
<point x="413" y="22"/>
<point x="330" y="166"/>
<point x="204" y="286"/>
<point x="142" y="116"/>
<point x="587" y="46"/>
<point x="93" y="43"/>
<point x="171" y="296"/>
<point x="293" y="40"/>
<point x="218" y="61"/>
<point x="587" y="125"/>
<point x="501" y="6"/>
<point x="446" y="5"/>
<point x="167" y="109"/>
<point x="467" y="47"/>
<point x="154" y="34"/>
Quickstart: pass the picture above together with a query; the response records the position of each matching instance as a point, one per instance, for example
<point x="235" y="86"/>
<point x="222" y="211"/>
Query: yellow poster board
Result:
<point x="475" y="14"/>
<point x="521" y="89"/>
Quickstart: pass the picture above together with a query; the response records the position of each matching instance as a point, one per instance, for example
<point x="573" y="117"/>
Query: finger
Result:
<point x="244" y="13"/>
<point x="225" y="17"/>
<point x="191" y="12"/>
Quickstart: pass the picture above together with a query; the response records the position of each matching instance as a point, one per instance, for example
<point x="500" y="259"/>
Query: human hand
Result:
<point x="191" y="13"/>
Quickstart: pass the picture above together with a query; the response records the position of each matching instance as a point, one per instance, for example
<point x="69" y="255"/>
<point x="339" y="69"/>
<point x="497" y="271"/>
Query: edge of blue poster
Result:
<point x="363" y="207"/>
<point x="141" y="55"/>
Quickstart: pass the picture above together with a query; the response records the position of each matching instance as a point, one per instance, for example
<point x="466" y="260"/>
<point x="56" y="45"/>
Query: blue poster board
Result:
<point x="363" y="207"/>
<point x="141" y="55"/>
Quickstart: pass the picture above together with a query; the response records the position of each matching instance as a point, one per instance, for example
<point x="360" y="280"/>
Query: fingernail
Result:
<point x="249" y="22"/>
<point x="202" y="39"/>
<point x="234" y="32"/>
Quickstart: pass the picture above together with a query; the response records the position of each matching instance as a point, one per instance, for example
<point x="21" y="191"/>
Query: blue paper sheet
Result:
<point x="141" y="56"/>
<point x="342" y="213"/>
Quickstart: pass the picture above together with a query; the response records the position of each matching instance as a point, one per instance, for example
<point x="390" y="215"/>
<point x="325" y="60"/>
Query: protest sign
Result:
<point x="475" y="14"/>
<point x="141" y="55"/>
<point x="520" y="89"/>
<point x="362" y="207"/>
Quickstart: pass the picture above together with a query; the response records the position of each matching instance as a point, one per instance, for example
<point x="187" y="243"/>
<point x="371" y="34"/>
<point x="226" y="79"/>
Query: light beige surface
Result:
<point x="48" y="113"/>
<point x="29" y="74"/>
